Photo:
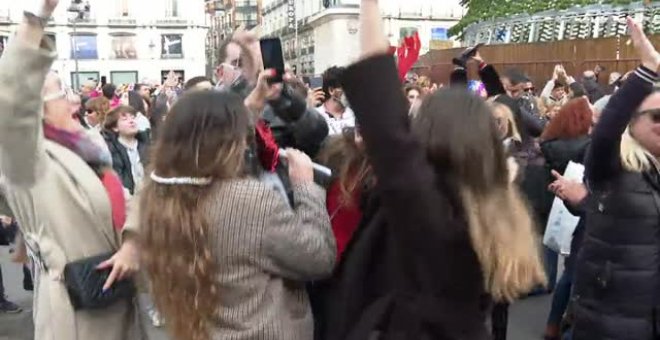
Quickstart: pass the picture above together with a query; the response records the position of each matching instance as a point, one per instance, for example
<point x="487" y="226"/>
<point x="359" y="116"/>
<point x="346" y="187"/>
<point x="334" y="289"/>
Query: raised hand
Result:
<point x="48" y="7"/>
<point x="372" y="35"/>
<point x="648" y="55"/>
<point x="263" y="92"/>
<point x="315" y="97"/>
<point x="478" y="58"/>
<point x="555" y="72"/>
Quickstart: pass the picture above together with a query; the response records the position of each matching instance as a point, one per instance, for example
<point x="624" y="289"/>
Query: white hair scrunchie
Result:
<point x="197" y="181"/>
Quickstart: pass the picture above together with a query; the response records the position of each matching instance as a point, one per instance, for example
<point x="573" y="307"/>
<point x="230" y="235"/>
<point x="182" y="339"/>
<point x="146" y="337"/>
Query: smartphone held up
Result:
<point x="273" y="58"/>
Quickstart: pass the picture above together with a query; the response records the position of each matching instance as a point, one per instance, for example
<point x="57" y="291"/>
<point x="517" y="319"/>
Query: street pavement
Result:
<point x="526" y="317"/>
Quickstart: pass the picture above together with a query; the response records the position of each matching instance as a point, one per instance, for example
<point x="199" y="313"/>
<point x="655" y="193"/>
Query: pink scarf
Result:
<point x="99" y="161"/>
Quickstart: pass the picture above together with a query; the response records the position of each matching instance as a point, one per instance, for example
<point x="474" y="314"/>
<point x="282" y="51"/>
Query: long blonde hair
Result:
<point x="499" y="222"/>
<point x="635" y="157"/>
<point x="512" y="128"/>
<point x="502" y="233"/>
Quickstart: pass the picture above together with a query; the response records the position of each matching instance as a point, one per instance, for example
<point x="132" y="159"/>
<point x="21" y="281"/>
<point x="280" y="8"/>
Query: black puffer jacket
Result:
<point x="617" y="275"/>
<point x="618" y="267"/>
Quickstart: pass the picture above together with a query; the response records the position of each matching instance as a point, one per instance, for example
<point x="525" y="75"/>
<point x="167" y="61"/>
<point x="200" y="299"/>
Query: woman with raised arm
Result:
<point x="60" y="186"/>
<point x="451" y="233"/>
<point x="618" y="267"/>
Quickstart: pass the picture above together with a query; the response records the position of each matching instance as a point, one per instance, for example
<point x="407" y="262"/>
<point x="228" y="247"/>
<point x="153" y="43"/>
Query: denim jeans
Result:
<point x="550" y="263"/>
<point x="561" y="298"/>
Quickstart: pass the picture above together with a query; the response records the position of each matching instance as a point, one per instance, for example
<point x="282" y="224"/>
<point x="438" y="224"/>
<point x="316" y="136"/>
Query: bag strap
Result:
<point x="34" y="252"/>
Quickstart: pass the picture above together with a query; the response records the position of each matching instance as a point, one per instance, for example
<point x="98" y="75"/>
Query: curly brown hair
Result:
<point x="204" y="136"/>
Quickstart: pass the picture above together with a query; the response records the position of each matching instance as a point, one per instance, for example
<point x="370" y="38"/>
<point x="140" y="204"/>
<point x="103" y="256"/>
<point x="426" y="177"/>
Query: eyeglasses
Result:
<point x="654" y="114"/>
<point x="529" y="90"/>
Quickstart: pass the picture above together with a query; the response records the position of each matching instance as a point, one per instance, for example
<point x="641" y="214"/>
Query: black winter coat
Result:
<point x="410" y="272"/>
<point x="559" y="152"/>
<point x="593" y="89"/>
<point x="618" y="267"/>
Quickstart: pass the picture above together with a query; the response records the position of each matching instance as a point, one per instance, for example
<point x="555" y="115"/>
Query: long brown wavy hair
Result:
<point x="463" y="144"/>
<point x="348" y="161"/>
<point x="203" y="136"/>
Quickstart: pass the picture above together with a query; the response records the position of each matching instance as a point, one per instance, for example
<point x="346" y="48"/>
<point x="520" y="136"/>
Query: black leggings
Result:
<point x="499" y="320"/>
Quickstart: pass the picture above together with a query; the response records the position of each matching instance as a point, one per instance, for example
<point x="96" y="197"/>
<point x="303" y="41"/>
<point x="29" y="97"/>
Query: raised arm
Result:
<point x="406" y="180"/>
<point x="489" y="77"/>
<point x="23" y="69"/>
<point x="603" y="160"/>
<point x="547" y="89"/>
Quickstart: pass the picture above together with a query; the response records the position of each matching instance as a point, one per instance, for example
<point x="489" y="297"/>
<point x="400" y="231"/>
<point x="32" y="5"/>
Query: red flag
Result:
<point x="408" y="54"/>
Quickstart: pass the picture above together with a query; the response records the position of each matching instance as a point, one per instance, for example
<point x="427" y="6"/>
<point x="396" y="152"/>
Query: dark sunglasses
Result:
<point x="654" y="114"/>
<point x="531" y="89"/>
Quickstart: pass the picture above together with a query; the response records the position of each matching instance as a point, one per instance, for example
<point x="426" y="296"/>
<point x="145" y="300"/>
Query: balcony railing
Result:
<point x="83" y="21"/>
<point x="172" y="22"/>
<point x="122" y="21"/>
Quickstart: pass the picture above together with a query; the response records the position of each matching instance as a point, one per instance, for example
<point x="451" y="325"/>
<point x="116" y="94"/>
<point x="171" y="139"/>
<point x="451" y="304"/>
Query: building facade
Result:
<point x="317" y="34"/>
<point x="122" y="41"/>
<point x="224" y="16"/>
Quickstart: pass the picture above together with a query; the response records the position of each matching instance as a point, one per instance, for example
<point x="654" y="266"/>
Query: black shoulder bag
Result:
<point x="85" y="284"/>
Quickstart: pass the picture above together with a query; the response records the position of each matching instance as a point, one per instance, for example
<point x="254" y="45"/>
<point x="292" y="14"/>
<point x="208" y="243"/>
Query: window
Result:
<point x="123" y="77"/>
<point x="84" y="47"/>
<point x="171" y="8"/>
<point x="123" y="47"/>
<point x="171" y="46"/>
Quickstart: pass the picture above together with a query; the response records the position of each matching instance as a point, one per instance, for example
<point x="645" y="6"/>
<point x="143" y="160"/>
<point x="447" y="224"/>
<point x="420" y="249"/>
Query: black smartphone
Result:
<point x="315" y="82"/>
<point x="271" y="53"/>
<point x="104" y="80"/>
<point x="474" y="50"/>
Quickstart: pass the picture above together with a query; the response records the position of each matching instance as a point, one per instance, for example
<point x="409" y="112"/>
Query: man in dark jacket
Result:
<point x="592" y="87"/>
<point x="128" y="147"/>
<point x="293" y="125"/>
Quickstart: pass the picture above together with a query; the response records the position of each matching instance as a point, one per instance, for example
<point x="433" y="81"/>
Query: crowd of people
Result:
<point x="206" y="197"/>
